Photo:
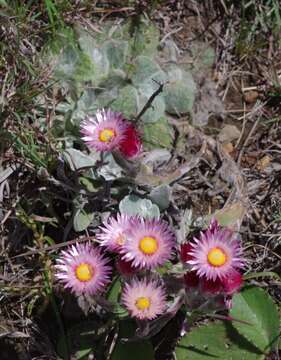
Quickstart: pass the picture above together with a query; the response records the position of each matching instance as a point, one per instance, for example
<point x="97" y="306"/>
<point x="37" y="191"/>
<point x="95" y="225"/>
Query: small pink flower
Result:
<point x="150" y="244"/>
<point x="216" y="254"/>
<point x="106" y="131"/>
<point x="131" y="145"/>
<point x="114" y="232"/>
<point x="144" y="299"/>
<point x="83" y="269"/>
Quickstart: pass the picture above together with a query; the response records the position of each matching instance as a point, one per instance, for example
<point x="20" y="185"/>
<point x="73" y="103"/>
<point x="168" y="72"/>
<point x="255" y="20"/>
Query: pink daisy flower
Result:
<point x="114" y="232"/>
<point x="150" y="244"/>
<point x="83" y="269"/>
<point x="216" y="254"/>
<point x="131" y="146"/>
<point x="105" y="131"/>
<point x="144" y="299"/>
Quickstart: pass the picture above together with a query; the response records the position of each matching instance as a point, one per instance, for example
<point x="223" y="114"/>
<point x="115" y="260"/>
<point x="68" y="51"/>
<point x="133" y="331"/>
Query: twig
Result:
<point x="150" y="100"/>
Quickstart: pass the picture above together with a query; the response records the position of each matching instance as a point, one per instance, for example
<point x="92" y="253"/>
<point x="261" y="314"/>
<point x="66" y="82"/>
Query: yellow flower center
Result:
<point x="148" y="245"/>
<point x="217" y="257"/>
<point x="84" y="272"/>
<point x="106" y="135"/>
<point x="143" y="303"/>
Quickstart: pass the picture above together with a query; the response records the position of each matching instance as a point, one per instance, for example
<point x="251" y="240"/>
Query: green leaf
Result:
<point x="215" y="341"/>
<point x="160" y="195"/>
<point x="158" y="135"/>
<point x="96" y="54"/>
<point x="116" y="52"/>
<point x="133" y="205"/>
<point x="77" y="160"/>
<point x="82" y="220"/>
<point x="179" y="93"/>
<point x="131" y="350"/>
<point x="230" y="214"/>
<point x="145" y="39"/>
<point x="113" y="296"/>
<point x="111" y="170"/>
<point x="127" y="101"/>
<point x="81" y="338"/>
<point x="145" y="71"/>
<point x="157" y="109"/>
<point x="256" y="307"/>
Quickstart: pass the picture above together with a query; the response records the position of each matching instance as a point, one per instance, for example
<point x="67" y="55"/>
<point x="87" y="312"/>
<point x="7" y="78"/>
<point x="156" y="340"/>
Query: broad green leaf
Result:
<point x="230" y="215"/>
<point x="133" y="350"/>
<point x="133" y="205"/>
<point x="144" y="39"/>
<point x="111" y="170"/>
<point x="160" y="196"/>
<point x="158" y="135"/>
<point x="179" y="92"/>
<point x="113" y="295"/>
<point x="257" y="308"/>
<point x="94" y="52"/>
<point x="127" y="101"/>
<point x="157" y="108"/>
<point x="215" y="341"/>
<point x="82" y="220"/>
<point x="116" y="52"/>
<point x="81" y="338"/>
<point x="77" y="160"/>
<point x="145" y="71"/>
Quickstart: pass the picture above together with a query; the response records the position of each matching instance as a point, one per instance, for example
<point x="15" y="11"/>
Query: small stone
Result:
<point x="228" y="147"/>
<point x="251" y="96"/>
<point x="263" y="162"/>
<point x="228" y="134"/>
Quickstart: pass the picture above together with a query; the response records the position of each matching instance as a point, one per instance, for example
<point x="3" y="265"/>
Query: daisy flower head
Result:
<point x="144" y="299"/>
<point x="216" y="254"/>
<point x="150" y="244"/>
<point x="83" y="269"/>
<point x="114" y="232"/>
<point x="105" y="131"/>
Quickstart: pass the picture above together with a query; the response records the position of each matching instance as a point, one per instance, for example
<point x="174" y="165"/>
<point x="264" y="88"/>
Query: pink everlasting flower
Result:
<point x="83" y="269"/>
<point x="144" y="299"/>
<point x="131" y="145"/>
<point x="150" y="244"/>
<point x="114" y="232"/>
<point x="106" y="131"/>
<point x="216" y="254"/>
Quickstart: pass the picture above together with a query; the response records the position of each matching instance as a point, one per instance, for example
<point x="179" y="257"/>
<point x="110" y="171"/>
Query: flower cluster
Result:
<point x="141" y="245"/>
<point x="109" y="131"/>
<point x="138" y="246"/>
<point x="214" y="261"/>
